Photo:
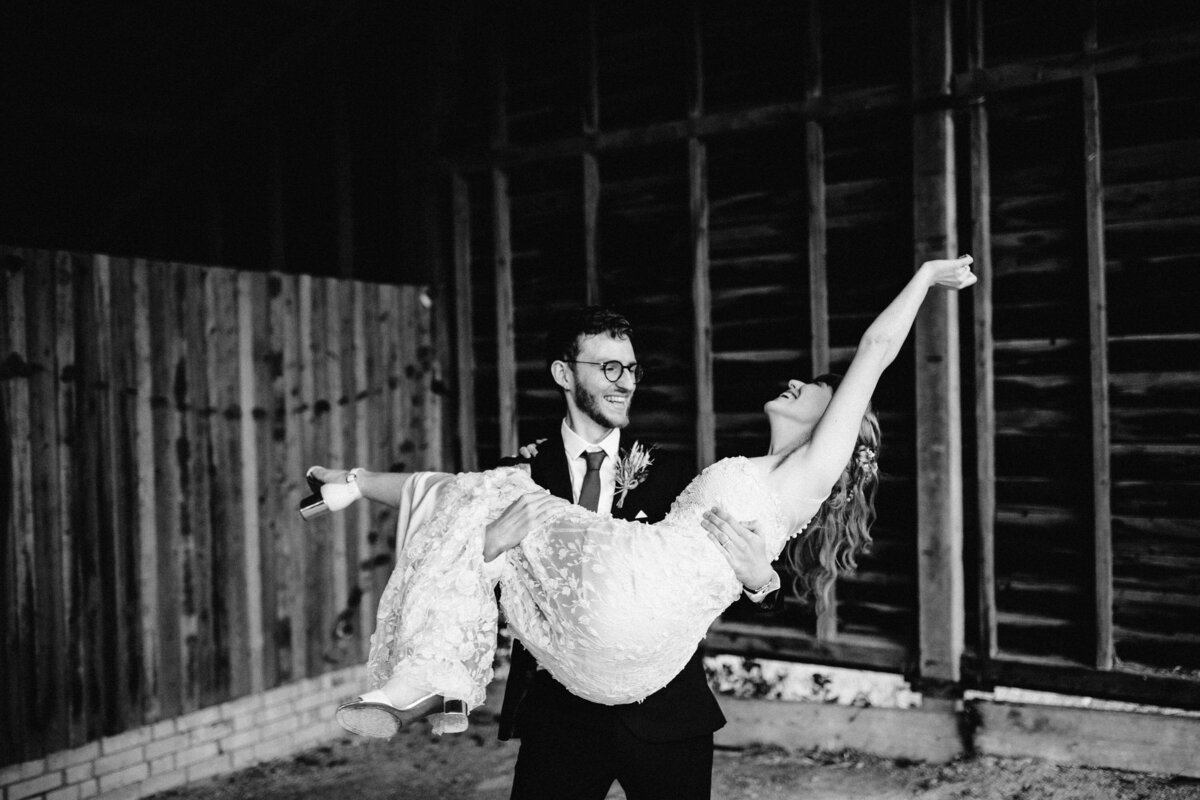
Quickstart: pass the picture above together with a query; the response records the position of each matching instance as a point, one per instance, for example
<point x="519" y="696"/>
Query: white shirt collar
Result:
<point x="575" y="445"/>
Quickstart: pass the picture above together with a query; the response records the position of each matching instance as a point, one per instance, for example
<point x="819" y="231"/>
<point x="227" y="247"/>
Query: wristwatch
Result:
<point x="757" y="595"/>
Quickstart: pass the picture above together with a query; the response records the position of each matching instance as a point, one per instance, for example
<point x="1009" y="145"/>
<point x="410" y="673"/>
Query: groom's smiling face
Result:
<point x="591" y="394"/>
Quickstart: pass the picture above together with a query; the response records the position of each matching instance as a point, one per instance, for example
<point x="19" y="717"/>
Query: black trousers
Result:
<point x="573" y="757"/>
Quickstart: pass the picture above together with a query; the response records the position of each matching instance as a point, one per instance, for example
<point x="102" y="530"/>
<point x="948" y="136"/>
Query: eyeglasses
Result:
<point x="613" y="370"/>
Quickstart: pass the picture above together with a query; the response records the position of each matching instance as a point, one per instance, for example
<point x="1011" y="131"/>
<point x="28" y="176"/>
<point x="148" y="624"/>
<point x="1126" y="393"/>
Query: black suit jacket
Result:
<point x="683" y="708"/>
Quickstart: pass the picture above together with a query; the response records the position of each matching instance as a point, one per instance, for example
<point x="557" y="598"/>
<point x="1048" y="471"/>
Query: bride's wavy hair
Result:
<point x="841" y="529"/>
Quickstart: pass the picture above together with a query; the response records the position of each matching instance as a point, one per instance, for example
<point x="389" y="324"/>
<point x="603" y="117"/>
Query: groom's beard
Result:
<point x="593" y="407"/>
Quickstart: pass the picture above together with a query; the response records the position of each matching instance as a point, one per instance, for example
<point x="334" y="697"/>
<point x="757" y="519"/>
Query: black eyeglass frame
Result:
<point x="635" y="369"/>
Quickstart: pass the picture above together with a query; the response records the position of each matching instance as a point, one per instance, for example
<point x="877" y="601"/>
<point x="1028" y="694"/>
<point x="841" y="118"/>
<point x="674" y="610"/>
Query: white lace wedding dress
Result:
<point x="613" y="609"/>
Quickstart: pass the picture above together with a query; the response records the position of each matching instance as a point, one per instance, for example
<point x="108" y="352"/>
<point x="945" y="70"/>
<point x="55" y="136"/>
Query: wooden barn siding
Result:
<point x="807" y="148"/>
<point x="157" y="420"/>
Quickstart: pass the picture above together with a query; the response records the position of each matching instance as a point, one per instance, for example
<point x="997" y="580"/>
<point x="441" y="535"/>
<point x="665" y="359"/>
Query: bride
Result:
<point x="614" y="609"/>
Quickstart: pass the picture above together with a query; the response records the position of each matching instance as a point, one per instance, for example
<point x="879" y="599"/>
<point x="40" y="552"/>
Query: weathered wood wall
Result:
<point x="158" y="419"/>
<point x="743" y="182"/>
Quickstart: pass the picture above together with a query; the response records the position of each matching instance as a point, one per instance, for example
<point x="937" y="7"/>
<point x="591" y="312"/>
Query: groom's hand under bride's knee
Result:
<point x="526" y="514"/>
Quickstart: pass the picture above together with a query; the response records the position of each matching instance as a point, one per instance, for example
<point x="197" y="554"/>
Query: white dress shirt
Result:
<point x="574" y="446"/>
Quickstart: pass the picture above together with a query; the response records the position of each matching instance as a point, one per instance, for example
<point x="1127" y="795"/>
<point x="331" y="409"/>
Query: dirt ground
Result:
<point x="476" y="766"/>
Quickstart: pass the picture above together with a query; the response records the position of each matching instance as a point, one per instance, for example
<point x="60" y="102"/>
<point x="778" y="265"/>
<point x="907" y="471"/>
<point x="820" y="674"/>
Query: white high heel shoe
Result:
<point x="373" y="714"/>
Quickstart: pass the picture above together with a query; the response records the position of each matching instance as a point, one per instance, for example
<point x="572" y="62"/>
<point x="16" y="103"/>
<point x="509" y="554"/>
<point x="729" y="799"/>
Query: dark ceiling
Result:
<point x="168" y="130"/>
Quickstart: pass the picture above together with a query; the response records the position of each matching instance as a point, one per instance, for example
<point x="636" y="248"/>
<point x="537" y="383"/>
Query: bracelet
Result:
<point x="772" y="583"/>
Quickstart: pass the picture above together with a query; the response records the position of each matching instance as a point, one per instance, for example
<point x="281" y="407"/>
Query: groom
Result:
<point x="570" y="747"/>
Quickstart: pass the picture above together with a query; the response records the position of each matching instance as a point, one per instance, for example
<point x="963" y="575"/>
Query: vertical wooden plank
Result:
<point x="231" y="648"/>
<point x="702" y="353"/>
<point x="290" y="573"/>
<point x="506" y="351"/>
<point x="91" y="544"/>
<point x="818" y="279"/>
<point x="251" y="318"/>
<point x="121" y="468"/>
<point x="346" y="434"/>
<point x="409" y="380"/>
<point x="590" y="110"/>
<point x="981" y="295"/>
<point x="373" y="437"/>
<point x="432" y="355"/>
<point x="1098" y="354"/>
<point x="147" y="510"/>
<point x="403" y="378"/>
<point x="464" y="328"/>
<point x="166" y="351"/>
<point x="272" y="460"/>
<point x="939" y="450"/>
<point x="364" y="535"/>
<point x="333" y="451"/>
<point x="17" y="739"/>
<point x="314" y="421"/>
<point x="198" y="546"/>
<point x="56" y="322"/>
<point x="591" y="229"/>
<point x="257" y="365"/>
<point x="292" y="589"/>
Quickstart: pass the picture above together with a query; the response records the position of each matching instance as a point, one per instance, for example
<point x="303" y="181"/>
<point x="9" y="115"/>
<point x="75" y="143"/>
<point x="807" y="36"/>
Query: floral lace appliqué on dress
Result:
<point x="613" y="609"/>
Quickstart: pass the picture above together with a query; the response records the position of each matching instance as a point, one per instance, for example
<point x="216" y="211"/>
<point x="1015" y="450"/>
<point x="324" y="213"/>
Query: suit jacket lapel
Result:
<point x="550" y="471"/>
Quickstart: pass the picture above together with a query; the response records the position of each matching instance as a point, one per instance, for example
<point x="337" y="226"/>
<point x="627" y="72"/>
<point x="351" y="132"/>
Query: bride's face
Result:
<point x="801" y="402"/>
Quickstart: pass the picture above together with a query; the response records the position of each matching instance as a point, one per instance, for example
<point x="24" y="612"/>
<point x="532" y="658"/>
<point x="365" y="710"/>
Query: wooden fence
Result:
<point x="158" y="419"/>
<point x="749" y="186"/>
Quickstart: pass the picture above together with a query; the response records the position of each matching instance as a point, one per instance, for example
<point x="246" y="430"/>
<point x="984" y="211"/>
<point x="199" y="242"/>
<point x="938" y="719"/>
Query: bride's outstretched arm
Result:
<point x="380" y="487"/>
<point x="835" y="435"/>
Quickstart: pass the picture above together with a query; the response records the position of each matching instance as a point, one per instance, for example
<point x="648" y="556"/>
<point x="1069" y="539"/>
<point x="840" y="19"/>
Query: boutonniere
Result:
<point x="631" y="470"/>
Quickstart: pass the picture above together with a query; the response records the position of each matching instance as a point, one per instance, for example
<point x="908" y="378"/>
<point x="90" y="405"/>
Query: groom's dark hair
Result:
<point x="568" y="327"/>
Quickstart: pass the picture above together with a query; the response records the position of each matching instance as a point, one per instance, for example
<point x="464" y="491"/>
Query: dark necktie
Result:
<point x="589" y="495"/>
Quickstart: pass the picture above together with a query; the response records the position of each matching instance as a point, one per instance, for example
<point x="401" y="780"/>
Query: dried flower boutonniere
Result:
<point x="631" y="470"/>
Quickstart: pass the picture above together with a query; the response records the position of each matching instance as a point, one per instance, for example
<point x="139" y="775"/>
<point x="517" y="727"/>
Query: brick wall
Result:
<point x="195" y="746"/>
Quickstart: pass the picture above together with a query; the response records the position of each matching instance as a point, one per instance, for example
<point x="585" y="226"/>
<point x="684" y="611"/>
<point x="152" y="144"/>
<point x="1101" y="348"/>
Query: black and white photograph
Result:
<point x="600" y="400"/>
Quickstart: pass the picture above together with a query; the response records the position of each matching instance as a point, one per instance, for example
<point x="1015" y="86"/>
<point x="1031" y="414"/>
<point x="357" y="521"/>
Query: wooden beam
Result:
<point x="1064" y="677"/>
<point x="1172" y="49"/>
<point x="1098" y="352"/>
<point x="1088" y="737"/>
<point x="591" y="167"/>
<point x="818" y="278"/>
<point x="251" y="300"/>
<point x="464" y="332"/>
<point x="788" y="644"/>
<point x="702" y="349"/>
<point x="843" y="105"/>
<point x="981" y="295"/>
<point x="17" y="664"/>
<point x="591" y="229"/>
<point x="916" y="734"/>
<point x="939" y="450"/>
<point x="849" y="104"/>
<point x="506" y="358"/>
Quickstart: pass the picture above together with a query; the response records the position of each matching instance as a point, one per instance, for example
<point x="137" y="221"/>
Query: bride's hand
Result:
<point x="950" y="273"/>
<point x="526" y="514"/>
<point x="326" y="475"/>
